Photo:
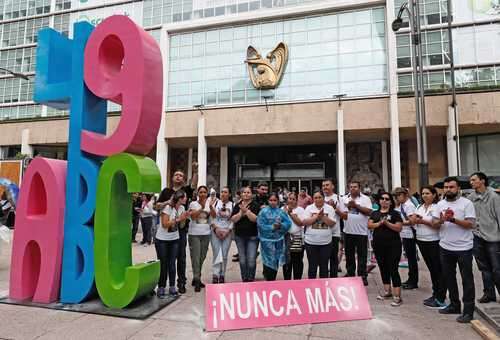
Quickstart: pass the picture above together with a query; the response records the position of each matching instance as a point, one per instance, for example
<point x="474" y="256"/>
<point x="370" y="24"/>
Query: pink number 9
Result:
<point x="123" y="64"/>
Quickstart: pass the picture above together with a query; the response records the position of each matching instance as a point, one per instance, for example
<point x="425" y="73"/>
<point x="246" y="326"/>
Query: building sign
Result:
<point x="266" y="73"/>
<point x="96" y="16"/>
<point x="278" y="303"/>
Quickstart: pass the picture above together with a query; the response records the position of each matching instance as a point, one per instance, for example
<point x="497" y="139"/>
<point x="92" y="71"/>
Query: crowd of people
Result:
<point x="446" y="228"/>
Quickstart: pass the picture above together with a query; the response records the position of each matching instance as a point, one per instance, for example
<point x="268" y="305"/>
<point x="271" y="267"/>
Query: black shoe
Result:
<point x="197" y="286"/>
<point x="450" y="310"/>
<point x="485" y="299"/>
<point x="202" y="285"/>
<point x="181" y="289"/>
<point x="409" y="286"/>
<point x="464" y="318"/>
<point x="365" y="281"/>
<point x="215" y="279"/>
<point x="221" y="279"/>
<point x="429" y="300"/>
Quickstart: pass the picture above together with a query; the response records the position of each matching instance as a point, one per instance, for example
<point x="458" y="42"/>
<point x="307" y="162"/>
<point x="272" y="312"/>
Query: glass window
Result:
<point x="327" y="54"/>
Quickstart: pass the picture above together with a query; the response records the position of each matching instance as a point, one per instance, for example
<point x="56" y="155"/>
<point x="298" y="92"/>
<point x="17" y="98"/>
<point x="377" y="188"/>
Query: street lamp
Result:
<point x="15" y="74"/>
<point x="414" y="18"/>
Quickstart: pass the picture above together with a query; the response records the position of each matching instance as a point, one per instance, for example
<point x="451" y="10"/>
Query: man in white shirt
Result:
<point x="456" y="218"/>
<point x="406" y="208"/>
<point x="336" y="203"/>
<point x="359" y="208"/>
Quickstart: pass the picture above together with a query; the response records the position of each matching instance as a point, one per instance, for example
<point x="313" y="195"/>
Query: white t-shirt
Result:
<point x="223" y="213"/>
<point x="409" y="209"/>
<point x="357" y="223"/>
<point x="340" y="204"/>
<point x="454" y="237"/>
<point x="319" y="233"/>
<point x="162" y="233"/>
<point x="424" y="232"/>
<point x="295" y="229"/>
<point x="200" y="225"/>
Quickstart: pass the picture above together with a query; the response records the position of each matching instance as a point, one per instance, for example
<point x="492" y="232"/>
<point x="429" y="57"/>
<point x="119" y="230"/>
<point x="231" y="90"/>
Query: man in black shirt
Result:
<point x="178" y="181"/>
<point x="262" y="194"/>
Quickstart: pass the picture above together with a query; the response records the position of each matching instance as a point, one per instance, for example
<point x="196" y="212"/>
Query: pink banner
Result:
<point x="278" y="303"/>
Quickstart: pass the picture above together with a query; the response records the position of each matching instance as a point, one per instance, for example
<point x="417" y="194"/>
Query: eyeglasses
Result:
<point x="385" y="199"/>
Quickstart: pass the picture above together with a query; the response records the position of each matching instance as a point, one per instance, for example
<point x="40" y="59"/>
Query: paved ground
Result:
<point x="184" y="318"/>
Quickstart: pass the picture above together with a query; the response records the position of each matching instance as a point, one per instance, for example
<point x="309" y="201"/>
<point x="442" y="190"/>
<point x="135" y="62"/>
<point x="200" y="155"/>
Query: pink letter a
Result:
<point x="38" y="234"/>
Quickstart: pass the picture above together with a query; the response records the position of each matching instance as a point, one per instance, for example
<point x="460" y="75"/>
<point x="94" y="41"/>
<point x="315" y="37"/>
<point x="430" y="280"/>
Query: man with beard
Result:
<point x="178" y="183"/>
<point x="456" y="218"/>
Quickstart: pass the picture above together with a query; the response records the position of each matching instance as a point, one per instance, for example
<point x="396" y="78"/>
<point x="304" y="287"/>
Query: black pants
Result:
<point x="356" y="244"/>
<point x="269" y="273"/>
<point x="181" y="257"/>
<point x="388" y="254"/>
<point x="166" y="251"/>
<point x="135" y="226"/>
<point x="334" y="257"/>
<point x="449" y="261"/>
<point x="318" y="256"/>
<point x="487" y="256"/>
<point x="147" y="224"/>
<point x="410" y="247"/>
<point x="430" y="252"/>
<point x="296" y="265"/>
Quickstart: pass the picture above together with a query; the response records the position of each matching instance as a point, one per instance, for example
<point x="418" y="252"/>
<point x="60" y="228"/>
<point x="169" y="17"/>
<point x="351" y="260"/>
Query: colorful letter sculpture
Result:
<point x="118" y="61"/>
<point x="39" y="232"/>
<point x="136" y="85"/>
<point x="118" y="282"/>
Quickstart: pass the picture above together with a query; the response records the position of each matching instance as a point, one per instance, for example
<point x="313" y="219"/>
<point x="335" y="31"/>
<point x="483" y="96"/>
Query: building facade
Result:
<point x="304" y="129"/>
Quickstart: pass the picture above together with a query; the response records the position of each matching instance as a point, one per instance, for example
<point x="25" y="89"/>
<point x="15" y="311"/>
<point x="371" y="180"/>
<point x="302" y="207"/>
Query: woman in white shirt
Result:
<point x="319" y="222"/>
<point x="199" y="234"/>
<point x="428" y="243"/>
<point x="295" y="245"/>
<point x="221" y="211"/>
<point x="147" y="215"/>
<point x="167" y="242"/>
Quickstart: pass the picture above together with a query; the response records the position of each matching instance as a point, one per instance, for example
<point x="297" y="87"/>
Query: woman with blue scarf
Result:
<point x="272" y="223"/>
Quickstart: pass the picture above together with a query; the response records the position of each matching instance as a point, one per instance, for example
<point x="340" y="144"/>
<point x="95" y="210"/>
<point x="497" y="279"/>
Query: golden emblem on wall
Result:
<point x="266" y="73"/>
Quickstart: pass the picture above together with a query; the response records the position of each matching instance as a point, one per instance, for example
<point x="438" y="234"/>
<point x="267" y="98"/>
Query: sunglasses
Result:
<point x="223" y="207"/>
<point x="385" y="199"/>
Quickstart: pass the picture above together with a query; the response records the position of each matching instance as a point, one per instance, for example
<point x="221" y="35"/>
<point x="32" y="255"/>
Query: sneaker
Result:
<point x="172" y="291"/>
<point x="396" y="301"/>
<point x="465" y="318"/>
<point x="215" y="279"/>
<point x="450" y="309"/>
<point x="365" y="281"/>
<point x="160" y="292"/>
<point x="434" y="304"/>
<point x="486" y="299"/>
<point x="429" y="300"/>
<point x="385" y="296"/>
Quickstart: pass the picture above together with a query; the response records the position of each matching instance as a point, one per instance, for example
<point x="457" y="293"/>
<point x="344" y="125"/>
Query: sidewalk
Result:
<point x="184" y="318"/>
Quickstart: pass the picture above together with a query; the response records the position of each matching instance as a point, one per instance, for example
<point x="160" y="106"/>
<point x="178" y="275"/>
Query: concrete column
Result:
<point x="26" y="148"/>
<point x="190" y="164"/>
<point x="452" y="145"/>
<point x="393" y="95"/>
<point x="161" y="142"/>
<point x="341" y="173"/>
<point x="202" y="153"/>
<point x="385" y="167"/>
<point x="223" y="167"/>
<point x="4" y="150"/>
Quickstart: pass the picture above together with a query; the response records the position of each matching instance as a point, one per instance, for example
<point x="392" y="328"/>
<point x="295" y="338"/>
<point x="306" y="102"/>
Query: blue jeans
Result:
<point x="247" y="250"/>
<point x="487" y="256"/>
<point x="219" y="269"/>
<point x="167" y="254"/>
